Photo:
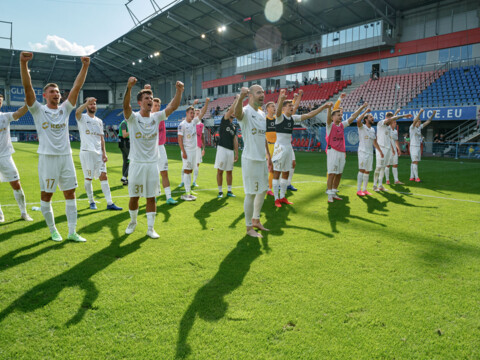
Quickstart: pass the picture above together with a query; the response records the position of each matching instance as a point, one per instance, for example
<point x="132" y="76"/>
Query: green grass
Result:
<point x="396" y="275"/>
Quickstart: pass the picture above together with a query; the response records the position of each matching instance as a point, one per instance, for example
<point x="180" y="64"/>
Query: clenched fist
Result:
<point x="26" y="56"/>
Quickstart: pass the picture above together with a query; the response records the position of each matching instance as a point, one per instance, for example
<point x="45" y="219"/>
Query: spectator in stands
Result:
<point x="305" y="81"/>
<point x="361" y="101"/>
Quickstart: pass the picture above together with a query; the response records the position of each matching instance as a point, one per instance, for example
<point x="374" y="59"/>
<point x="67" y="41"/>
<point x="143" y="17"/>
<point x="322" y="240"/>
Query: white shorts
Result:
<point x="293" y="156"/>
<point x="224" y="159"/>
<point x="365" y="161"/>
<point x="415" y="153"/>
<point x="255" y="176"/>
<point x="282" y="158"/>
<point x="393" y="159"/>
<point x="162" y="158"/>
<point x="56" y="170"/>
<point x="143" y="180"/>
<point x="199" y="155"/>
<point x="92" y="164"/>
<point x="387" y="154"/>
<point x="335" y="161"/>
<point x="8" y="170"/>
<point x="190" y="162"/>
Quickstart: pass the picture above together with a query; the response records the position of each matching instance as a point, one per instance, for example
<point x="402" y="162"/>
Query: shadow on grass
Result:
<point x="164" y="209"/>
<point x="77" y="276"/>
<point x="207" y="209"/>
<point x="400" y="199"/>
<point x="339" y="211"/>
<point x="99" y="191"/>
<point x="209" y="303"/>
<point x="373" y="205"/>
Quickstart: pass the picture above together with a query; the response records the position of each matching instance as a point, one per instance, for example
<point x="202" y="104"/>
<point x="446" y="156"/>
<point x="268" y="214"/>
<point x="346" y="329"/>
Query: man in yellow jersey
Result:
<point x="271" y="137"/>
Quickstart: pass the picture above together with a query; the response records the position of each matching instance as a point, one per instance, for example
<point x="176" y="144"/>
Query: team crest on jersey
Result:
<point x="87" y="132"/>
<point x="138" y="135"/>
<point x="254" y="131"/>
<point x="45" y="125"/>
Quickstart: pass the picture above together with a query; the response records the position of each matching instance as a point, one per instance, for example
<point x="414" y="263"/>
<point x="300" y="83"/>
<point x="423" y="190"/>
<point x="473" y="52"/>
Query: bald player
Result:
<point x="255" y="157"/>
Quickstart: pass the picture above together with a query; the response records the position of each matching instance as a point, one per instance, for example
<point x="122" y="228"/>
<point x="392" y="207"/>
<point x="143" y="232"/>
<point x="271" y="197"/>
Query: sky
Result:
<point x="73" y="27"/>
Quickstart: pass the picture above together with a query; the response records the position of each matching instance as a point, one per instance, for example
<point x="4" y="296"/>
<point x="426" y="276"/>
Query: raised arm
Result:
<point x="281" y="99"/>
<point x="396" y="112"/>
<point x="360" y="118"/>
<point x="239" y="104"/>
<point x="81" y="108"/>
<point x="175" y="102"/>
<point x="204" y="109"/>
<point x="426" y="123"/>
<point x="315" y="112"/>
<point x="407" y="116"/>
<point x="417" y="120"/>
<point x="356" y="113"/>
<point x="127" y="108"/>
<point x="20" y="112"/>
<point x="297" y="99"/>
<point x="231" y="109"/>
<point x="339" y="101"/>
<point x="329" y="113"/>
<point x="25" y="57"/>
<point x="79" y="81"/>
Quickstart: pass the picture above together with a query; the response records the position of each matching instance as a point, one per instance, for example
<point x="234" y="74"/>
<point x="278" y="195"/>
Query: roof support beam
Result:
<point x="51" y="71"/>
<point x="383" y="14"/>
<point x="130" y="60"/>
<point x="109" y="63"/>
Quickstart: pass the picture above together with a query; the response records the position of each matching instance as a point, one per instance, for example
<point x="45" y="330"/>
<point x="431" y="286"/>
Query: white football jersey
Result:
<point x="394" y="135"/>
<point x="91" y="130"/>
<point x="6" y="147"/>
<point x="189" y="132"/>
<point x="383" y="134"/>
<point x="253" y="127"/>
<point x="366" y="136"/>
<point x="144" y="136"/>
<point x="52" y="128"/>
<point x="415" y="135"/>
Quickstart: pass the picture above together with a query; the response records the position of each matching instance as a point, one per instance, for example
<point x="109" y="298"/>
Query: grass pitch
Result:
<point x="395" y="275"/>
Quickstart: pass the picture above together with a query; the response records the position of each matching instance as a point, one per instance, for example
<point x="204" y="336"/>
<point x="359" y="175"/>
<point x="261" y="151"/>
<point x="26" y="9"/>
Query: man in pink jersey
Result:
<point x="336" y="148"/>
<point x="162" y="154"/>
<point x="200" y="140"/>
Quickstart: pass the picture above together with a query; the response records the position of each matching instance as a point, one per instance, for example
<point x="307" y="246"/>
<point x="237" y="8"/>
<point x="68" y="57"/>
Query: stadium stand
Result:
<point x="457" y="87"/>
<point x="406" y="87"/>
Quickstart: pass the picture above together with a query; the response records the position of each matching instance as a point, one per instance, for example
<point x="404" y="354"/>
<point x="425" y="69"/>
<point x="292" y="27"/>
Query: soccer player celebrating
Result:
<point x="162" y="153"/>
<point x="200" y="151"/>
<point x="385" y="141"/>
<point x="255" y="156"/>
<point x="367" y="140"/>
<point x="8" y="170"/>
<point x="394" y="158"/>
<point x="227" y="151"/>
<point x="283" y="151"/>
<point x="143" y="171"/>
<point x="93" y="155"/>
<point x="336" y="148"/>
<point x="271" y="137"/>
<point x="415" y="142"/>
<point x="187" y="139"/>
<point x="296" y="103"/>
<point x="55" y="163"/>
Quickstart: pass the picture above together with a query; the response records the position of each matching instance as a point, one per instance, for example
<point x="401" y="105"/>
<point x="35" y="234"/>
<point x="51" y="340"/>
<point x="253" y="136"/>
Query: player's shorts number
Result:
<point x="256" y="185"/>
<point x="50" y="183"/>
<point x="89" y="173"/>
<point x="138" y="189"/>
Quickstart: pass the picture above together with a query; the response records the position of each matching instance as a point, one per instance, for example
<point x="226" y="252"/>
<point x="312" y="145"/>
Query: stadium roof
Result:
<point x="171" y="41"/>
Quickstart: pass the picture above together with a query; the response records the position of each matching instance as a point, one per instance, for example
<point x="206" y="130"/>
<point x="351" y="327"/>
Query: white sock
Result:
<point x="365" y="181"/>
<point x="229" y="187"/>
<point x="89" y="190"/>
<point x="47" y="212"/>
<point x="71" y="211"/>
<point x="395" y="173"/>
<point x="133" y="215"/>
<point x="283" y="187"/>
<point x="106" y="191"/>
<point x="168" y="192"/>
<point x="248" y="208"/>
<point x="415" y="171"/>
<point x="187" y="182"/>
<point x="1" y="212"/>
<point x="20" y="197"/>
<point x="380" y="176"/>
<point x="411" y="171"/>
<point x="290" y="176"/>
<point x="387" y="173"/>
<point x="195" y="174"/>
<point x="183" y="173"/>
<point x="376" y="174"/>
<point x="220" y="189"/>
<point x="257" y="205"/>
<point x="334" y="191"/>
<point x="151" y="220"/>
<point x="275" y="186"/>
<point x="359" y="181"/>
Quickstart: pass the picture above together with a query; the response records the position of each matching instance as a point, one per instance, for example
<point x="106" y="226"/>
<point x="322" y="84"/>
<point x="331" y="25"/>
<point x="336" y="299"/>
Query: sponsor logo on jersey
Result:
<point x="45" y="125"/>
<point x="138" y="135"/>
